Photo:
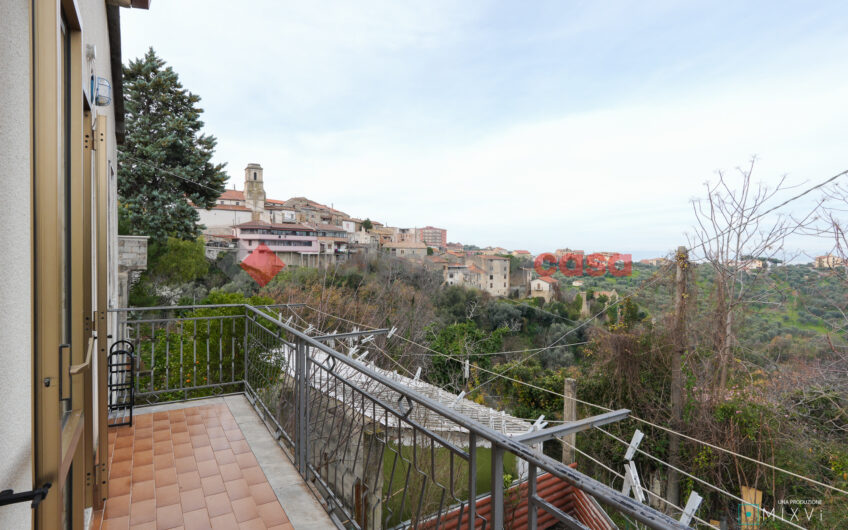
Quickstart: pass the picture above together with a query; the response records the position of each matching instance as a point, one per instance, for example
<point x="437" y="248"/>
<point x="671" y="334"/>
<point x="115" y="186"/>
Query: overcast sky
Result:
<point x="534" y="125"/>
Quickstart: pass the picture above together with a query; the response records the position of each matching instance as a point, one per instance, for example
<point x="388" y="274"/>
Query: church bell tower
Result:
<point x="254" y="191"/>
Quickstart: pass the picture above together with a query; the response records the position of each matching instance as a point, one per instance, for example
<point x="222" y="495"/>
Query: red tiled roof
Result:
<point x="231" y="207"/>
<point x="232" y="195"/>
<point x="547" y="279"/>
<point x="487" y="256"/>
<point x="521" y="251"/>
<point x="475" y="268"/>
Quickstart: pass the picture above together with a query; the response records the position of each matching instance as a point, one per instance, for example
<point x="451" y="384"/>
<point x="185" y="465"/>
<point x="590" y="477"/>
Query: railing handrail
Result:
<point x="607" y="495"/>
<point x="173" y="307"/>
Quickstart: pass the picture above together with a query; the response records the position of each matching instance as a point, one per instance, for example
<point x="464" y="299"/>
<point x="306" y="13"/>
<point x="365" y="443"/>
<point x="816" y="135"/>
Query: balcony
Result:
<point x="232" y="404"/>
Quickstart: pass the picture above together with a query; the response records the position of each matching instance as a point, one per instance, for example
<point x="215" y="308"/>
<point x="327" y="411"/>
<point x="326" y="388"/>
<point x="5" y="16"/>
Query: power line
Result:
<point x="167" y="172"/>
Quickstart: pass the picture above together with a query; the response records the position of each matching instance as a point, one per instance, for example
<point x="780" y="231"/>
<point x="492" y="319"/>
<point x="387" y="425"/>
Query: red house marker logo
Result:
<point x="572" y="264"/>
<point x="262" y="265"/>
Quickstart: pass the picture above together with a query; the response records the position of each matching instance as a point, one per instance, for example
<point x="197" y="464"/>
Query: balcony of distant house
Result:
<point x="286" y="238"/>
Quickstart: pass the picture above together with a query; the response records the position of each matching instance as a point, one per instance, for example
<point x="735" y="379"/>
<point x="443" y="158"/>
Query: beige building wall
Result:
<point x="16" y="280"/>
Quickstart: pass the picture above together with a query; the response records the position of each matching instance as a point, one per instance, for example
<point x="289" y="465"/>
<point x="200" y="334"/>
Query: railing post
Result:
<point x="472" y="480"/>
<point x="301" y="400"/>
<point x="531" y="494"/>
<point x="497" y="487"/>
<point x="246" y="356"/>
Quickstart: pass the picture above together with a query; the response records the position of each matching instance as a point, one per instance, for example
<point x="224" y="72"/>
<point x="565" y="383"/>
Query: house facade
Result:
<point x="295" y="244"/>
<point x="543" y="287"/>
<point x="61" y="120"/>
<point x="433" y="237"/>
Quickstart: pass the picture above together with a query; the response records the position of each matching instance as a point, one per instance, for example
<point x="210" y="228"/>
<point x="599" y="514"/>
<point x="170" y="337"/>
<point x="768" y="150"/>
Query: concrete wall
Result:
<point x="222" y="221"/>
<point x="16" y="279"/>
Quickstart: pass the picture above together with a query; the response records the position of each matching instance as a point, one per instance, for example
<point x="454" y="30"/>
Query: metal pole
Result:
<point x="531" y="492"/>
<point x="497" y="487"/>
<point x="472" y="480"/>
<point x="569" y="413"/>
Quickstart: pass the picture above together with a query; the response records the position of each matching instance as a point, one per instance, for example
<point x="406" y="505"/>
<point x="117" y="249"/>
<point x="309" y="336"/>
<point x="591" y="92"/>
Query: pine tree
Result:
<point x="166" y="159"/>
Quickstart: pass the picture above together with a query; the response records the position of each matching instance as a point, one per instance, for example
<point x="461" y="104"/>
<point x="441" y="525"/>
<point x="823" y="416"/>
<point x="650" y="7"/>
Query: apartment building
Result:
<point x="332" y="242"/>
<point x="489" y="273"/>
<point x="433" y="237"/>
<point x="544" y="287"/>
<point x="828" y="261"/>
<point x="61" y="119"/>
<point x="295" y="244"/>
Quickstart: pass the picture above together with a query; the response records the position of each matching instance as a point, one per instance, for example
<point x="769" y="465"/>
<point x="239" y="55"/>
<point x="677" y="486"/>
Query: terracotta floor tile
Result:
<point x="284" y="526"/>
<point x="272" y="513"/>
<point x="203" y="453"/>
<point x="196" y="429"/>
<point x="239" y="447"/>
<point x="253" y="475"/>
<point x="234" y="434"/>
<point x="161" y="435"/>
<point x="125" y="453"/>
<point x="165" y="477"/>
<point x="144" y="526"/>
<point x="178" y="438"/>
<point x="120" y="469"/>
<point x="161" y="425"/>
<point x="142" y="491"/>
<point x="212" y="485"/>
<point x="225" y="457"/>
<point x="160" y="416"/>
<point x="215" y="432"/>
<point x="119" y="486"/>
<point x="200" y="441"/>
<point x="117" y="507"/>
<point x="125" y="441"/>
<point x="245" y="509"/>
<point x="167" y="495"/>
<point x="224" y="522"/>
<point x="142" y="457"/>
<point x="183" y="450"/>
<point x="169" y="516"/>
<point x="185" y="464"/>
<point x="194" y="419"/>
<point x="253" y="524"/>
<point x="230" y="471"/>
<point x="237" y="489"/>
<point x="219" y="444"/>
<point x="163" y="461"/>
<point x="207" y="468"/>
<point x="246" y="460"/>
<point x="263" y="493"/>
<point x="218" y="504"/>
<point x="142" y="473"/>
<point x="121" y="523"/>
<point x="196" y="520"/>
<point x="192" y="500"/>
<point x="161" y="448"/>
<point x="145" y="444"/>
<point x="142" y="511"/>
<point x="179" y="427"/>
<point x="189" y="480"/>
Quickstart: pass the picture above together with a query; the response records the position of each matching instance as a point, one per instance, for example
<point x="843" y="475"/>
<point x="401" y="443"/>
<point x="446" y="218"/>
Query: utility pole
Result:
<point x="680" y="299"/>
<point x="569" y="413"/>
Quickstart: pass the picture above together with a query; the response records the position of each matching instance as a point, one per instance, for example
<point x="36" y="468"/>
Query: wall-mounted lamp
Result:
<point x="103" y="92"/>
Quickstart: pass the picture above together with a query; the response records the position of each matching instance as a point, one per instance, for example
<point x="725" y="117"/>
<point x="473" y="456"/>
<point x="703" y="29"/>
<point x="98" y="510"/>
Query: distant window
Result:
<point x="491" y="277"/>
<point x="491" y="286"/>
<point x="254" y="175"/>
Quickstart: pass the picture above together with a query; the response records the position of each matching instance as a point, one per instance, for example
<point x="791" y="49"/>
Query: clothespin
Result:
<point x="691" y="507"/>
<point x="391" y="332"/>
<point x="352" y="350"/>
<point x="460" y="396"/>
<point x="466" y="370"/>
<point x="632" y="482"/>
<point x="634" y="444"/>
<point x="367" y="339"/>
<point x="417" y="374"/>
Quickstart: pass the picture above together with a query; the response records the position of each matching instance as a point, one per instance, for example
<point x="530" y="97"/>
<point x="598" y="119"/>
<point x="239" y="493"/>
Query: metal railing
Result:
<point x="379" y="454"/>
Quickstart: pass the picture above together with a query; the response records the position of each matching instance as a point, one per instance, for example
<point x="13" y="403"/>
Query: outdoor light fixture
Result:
<point x="102" y="92"/>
